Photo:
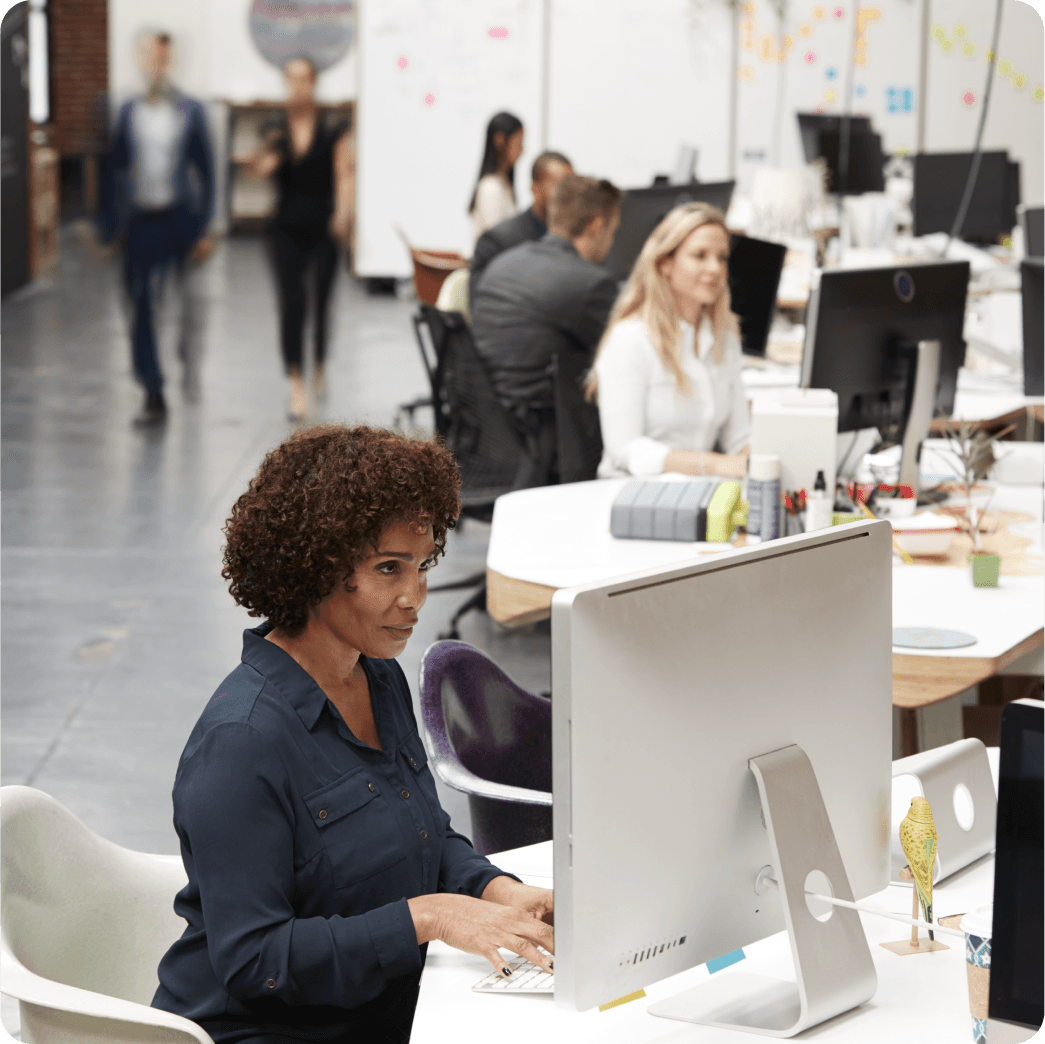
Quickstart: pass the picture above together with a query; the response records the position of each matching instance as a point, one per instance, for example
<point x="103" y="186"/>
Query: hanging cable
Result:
<point x="974" y="169"/>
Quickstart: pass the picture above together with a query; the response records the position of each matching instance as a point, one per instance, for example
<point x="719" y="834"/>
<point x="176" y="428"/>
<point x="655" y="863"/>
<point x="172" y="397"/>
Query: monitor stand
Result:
<point x="833" y="964"/>
<point x="922" y="395"/>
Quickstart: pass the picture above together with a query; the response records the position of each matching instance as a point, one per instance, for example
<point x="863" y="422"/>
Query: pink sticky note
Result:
<point x="498" y="32"/>
<point x="429" y="99"/>
<point x="402" y="61"/>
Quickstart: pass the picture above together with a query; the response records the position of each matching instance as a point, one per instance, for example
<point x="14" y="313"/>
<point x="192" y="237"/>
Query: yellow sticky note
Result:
<point x="622" y="1000"/>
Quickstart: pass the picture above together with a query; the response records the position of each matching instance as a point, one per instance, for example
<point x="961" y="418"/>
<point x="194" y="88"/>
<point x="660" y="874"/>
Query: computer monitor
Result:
<point x="812" y="124"/>
<point x="1019" y="875"/>
<point x="642" y="209"/>
<point x="693" y="707"/>
<point x="1032" y="281"/>
<point x="939" y="181"/>
<point x="1032" y="221"/>
<point x="822" y="137"/>
<point x="754" y="277"/>
<point x="864" y="332"/>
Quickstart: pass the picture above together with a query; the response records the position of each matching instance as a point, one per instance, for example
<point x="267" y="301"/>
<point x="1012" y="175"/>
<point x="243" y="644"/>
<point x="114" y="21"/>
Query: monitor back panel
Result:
<point x="859" y="313"/>
<point x="939" y="181"/>
<point x="642" y="209"/>
<point x="666" y="684"/>
<point x="754" y="278"/>
<point x="1032" y="281"/>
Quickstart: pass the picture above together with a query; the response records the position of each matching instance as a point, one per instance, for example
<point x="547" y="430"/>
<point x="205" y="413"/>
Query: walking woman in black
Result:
<point x="311" y="160"/>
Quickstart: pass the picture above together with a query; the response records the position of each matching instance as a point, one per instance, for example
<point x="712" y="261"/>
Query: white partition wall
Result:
<point x="432" y="73"/>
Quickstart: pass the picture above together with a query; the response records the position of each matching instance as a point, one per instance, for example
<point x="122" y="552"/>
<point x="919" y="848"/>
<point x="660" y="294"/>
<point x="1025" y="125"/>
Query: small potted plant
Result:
<point x="972" y="450"/>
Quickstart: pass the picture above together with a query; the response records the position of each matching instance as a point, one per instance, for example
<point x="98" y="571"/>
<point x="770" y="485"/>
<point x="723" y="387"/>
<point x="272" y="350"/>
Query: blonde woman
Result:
<point x="667" y="371"/>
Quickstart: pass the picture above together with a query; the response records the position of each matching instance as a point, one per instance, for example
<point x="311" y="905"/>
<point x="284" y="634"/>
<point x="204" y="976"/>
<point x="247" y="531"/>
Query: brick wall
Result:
<point x="79" y="76"/>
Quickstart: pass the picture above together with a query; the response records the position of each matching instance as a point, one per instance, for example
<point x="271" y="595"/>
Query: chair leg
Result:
<point x="477" y="601"/>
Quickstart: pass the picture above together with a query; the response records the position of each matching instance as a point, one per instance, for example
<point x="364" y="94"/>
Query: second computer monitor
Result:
<point x="754" y="278"/>
<point x="939" y="183"/>
<point x="642" y="209"/>
<point x="862" y="334"/>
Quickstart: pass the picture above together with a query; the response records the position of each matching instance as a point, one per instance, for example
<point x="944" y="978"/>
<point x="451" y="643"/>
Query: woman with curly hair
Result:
<point x="320" y="862"/>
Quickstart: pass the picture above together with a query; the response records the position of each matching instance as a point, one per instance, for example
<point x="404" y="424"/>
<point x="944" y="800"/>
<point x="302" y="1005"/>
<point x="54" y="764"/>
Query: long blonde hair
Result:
<point x="648" y="296"/>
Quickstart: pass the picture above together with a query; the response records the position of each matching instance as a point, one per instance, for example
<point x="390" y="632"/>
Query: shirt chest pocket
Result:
<point x="356" y="826"/>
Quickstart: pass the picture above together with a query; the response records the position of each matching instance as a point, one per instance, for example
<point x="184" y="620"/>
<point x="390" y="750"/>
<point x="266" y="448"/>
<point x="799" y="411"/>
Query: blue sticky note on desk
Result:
<point x="724" y="962"/>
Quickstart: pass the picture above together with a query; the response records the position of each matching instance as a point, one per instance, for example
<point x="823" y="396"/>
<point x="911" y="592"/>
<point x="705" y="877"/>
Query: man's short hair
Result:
<point x="577" y="200"/>
<point x="544" y="161"/>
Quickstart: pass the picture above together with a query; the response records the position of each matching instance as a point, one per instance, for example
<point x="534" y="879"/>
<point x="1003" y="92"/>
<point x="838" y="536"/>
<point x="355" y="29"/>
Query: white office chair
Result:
<point x="84" y="925"/>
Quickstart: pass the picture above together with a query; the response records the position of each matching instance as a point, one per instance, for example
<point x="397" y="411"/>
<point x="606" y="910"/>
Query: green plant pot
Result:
<point x="985" y="570"/>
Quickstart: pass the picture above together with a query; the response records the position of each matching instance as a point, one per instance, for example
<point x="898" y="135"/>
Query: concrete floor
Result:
<point x="116" y="625"/>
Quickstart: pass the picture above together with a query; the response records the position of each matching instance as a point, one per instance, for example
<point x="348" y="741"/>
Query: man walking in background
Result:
<point x="160" y="196"/>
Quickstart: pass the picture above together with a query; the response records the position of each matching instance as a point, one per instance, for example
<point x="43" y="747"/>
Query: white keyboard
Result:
<point x="526" y="977"/>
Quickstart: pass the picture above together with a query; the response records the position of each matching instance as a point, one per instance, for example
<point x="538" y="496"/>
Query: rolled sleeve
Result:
<point x="234" y="813"/>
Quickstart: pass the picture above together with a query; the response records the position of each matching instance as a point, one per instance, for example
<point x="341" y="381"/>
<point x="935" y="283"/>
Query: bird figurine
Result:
<point x="918" y="839"/>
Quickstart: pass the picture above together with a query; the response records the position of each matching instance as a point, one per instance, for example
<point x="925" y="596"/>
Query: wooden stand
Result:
<point x="905" y="947"/>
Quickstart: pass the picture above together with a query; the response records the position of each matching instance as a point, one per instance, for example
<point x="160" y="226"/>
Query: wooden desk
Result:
<point x="927" y="992"/>
<point x="558" y="536"/>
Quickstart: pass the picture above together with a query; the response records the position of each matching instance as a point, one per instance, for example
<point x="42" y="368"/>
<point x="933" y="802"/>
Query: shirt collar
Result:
<point x="280" y="668"/>
<point x="552" y="240"/>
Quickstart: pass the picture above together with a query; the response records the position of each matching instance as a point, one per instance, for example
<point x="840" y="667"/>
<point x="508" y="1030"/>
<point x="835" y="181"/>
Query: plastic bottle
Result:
<point x="763" y="494"/>
<point x="819" y="505"/>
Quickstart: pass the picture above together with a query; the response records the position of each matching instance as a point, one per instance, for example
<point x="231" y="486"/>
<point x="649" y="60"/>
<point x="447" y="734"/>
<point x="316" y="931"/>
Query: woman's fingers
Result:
<point x="500" y="965"/>
<point x="527" y="949"/>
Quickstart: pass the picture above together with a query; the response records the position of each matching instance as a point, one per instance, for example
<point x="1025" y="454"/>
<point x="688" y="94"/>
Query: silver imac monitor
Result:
<point x="722" y="735"/>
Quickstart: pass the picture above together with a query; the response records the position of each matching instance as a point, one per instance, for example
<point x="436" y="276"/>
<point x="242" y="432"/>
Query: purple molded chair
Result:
<point x="490" y="739"/>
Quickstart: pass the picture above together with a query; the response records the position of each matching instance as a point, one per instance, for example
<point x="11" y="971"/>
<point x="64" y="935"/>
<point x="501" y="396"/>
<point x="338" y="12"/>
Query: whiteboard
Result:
<point x="431" y="74"/>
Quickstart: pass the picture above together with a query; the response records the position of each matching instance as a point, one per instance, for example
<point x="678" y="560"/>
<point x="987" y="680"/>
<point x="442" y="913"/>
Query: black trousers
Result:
<point x="294" y="251"/>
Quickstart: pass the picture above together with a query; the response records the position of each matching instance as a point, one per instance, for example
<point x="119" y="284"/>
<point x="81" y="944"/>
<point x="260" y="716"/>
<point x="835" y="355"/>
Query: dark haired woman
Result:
<point x="311" y="158"/>
<point x="319" y="860"/>
<point x="494" y="198"/>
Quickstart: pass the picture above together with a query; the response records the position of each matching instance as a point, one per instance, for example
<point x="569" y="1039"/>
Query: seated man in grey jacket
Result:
<point x="549" y="168"/>
<point x="545" y="297"/>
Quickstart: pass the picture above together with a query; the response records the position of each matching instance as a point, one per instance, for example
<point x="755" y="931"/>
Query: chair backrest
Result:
<point x="78" y="909"/>
<point x="489" y="451"/>
<point x="475" y="713"/>
<point x="577" y="431"/>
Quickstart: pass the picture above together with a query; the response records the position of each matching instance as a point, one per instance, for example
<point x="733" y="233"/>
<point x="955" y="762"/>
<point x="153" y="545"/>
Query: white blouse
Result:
<point x="643" y="413"/>
<point x="494" y="203"/>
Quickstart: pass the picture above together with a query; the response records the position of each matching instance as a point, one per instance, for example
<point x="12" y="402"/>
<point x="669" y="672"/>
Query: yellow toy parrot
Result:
<point x="918" y="838"/>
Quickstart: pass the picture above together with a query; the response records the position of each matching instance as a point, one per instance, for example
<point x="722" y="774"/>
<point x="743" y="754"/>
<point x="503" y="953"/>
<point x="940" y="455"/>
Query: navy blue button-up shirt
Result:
<point x="302" y="845"/>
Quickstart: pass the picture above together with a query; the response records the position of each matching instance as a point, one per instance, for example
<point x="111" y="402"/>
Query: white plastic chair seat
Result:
<point x="84" y="925"/>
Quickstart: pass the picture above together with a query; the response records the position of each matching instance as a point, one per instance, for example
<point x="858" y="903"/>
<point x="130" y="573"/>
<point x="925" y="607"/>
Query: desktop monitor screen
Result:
<point x="939" y="181"/>
<point x="1032" y="281"/>
<point x="811" y="125"/>
<point x="863" y="328"/>
<point x="642" y="209"/>
<point x="666" y="684"/>
<point x="1033" y="222"/>
<point x="866" y="163"/>
<point x="754" y="276"/>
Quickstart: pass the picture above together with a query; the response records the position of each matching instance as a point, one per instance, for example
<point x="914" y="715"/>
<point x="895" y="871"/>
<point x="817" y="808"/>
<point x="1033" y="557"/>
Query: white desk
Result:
<point x="920" y="998"/>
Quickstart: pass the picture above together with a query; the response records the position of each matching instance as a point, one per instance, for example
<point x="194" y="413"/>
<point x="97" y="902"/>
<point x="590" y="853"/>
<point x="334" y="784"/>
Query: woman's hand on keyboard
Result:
<point x="538" y="902"/>
<point x="480" y="927"/>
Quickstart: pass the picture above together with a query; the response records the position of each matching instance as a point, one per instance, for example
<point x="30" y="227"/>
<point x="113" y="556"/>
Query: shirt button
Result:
<point x="271" y="984"/>
<point x="406" y="794"/>
<point x="424" y="835"/>
<point x="322" y="815"/>
<point x="413" y="763"/>
<point x="371" y="786"/>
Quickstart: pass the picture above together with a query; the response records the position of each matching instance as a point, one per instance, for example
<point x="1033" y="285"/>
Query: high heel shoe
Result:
<point x="297" y="409"/>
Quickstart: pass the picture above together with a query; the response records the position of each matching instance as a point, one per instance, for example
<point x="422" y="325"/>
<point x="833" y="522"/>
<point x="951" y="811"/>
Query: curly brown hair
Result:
<point x="319" y="503"/>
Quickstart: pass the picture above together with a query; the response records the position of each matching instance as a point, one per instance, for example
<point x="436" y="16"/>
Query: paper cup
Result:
<point x="977" y="927"/>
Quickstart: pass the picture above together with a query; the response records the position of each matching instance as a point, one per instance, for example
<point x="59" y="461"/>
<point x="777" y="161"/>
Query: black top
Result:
<point x="302" y="845"/>
<point x="535" y="300"/>
<point x="526" y="227"/>
<point x="306" y="185"/>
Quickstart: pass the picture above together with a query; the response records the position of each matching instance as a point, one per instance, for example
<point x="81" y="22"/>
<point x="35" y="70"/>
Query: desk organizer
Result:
<point x="700" y="510"/>
<point x="940" y="773"/>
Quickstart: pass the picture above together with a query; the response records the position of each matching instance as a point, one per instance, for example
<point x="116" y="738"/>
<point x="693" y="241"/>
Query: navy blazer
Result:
<point x="193" y="176"/>
<point x="302" y="845"/>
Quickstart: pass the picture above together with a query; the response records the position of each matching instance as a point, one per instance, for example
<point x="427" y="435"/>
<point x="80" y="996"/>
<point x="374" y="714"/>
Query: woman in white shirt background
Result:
<point x="494" y="198"/>
<point x="667" y="371"/>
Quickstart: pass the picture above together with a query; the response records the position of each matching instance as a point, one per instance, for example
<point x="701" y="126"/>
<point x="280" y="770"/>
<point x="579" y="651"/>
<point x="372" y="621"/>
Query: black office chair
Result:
<point x="578" y="436"/>
<point x="491" y="456"/>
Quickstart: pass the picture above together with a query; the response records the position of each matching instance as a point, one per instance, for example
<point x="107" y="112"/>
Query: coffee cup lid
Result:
<point x="763" y="466"/>
<point x="978" y="921"/>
